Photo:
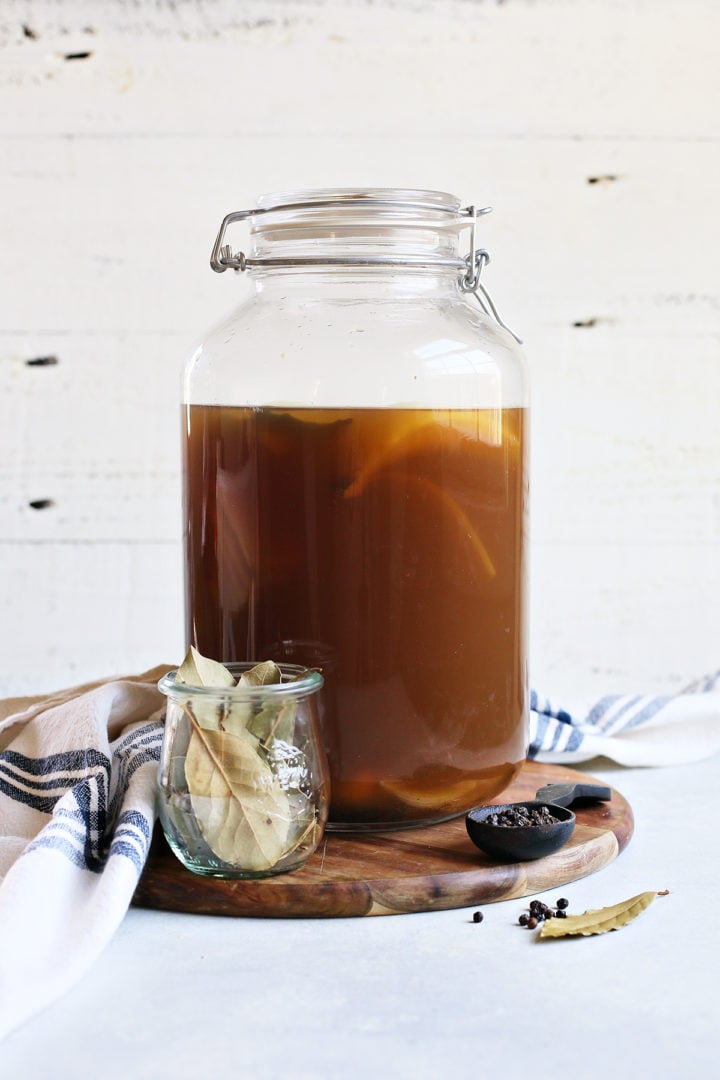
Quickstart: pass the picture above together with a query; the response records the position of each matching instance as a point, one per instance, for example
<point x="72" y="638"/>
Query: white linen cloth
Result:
<point x="77" y="789"/>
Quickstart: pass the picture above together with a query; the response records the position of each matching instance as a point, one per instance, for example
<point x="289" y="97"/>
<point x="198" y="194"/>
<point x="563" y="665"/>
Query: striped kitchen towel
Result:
<point x="630" y="729"/>
<point x="77" y="793"/>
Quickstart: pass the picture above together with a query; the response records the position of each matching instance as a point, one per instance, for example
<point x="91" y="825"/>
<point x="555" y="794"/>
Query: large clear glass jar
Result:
<point x="355" y="494"/>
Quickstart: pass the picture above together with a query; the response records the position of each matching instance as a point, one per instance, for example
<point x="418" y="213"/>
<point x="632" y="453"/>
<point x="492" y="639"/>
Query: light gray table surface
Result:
<point x="425" y="995"/>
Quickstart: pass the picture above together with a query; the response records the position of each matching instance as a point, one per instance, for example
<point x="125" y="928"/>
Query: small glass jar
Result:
<point x="355" y="484"/>
<point x="243" y="779"/>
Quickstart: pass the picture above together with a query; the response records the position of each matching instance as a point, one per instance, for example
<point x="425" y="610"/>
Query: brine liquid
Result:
<point x="386" y="547"/>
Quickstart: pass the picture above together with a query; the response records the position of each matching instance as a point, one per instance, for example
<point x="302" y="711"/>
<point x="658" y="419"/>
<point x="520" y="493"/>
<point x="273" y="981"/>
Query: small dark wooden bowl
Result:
<point x="518" y="843"/>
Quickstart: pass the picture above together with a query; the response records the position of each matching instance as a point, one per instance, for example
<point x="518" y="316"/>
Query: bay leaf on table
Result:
<point x="598" y="921"/>
<point x="243" y="813"/>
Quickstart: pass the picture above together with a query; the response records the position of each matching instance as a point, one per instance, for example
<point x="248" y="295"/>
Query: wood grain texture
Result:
<point x="400" y="872"/>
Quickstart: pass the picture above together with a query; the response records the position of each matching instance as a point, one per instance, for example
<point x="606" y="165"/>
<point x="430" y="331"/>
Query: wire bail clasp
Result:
<point x="222" y="257"/>
<point x="470" y="281"/>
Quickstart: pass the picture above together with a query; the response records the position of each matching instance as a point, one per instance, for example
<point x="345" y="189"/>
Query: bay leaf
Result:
<point x="265" y="721"/>
<point x="284" y="727"/>
<point x="261" y="724"/>
<point x="198" y="670"/>
<point x="209" y="713"/>
<point x="275" y="721"/>
<point x="235" y="717"/>
<point x="266" y="673"/>
<point x="598" y="921"/>
<point x="242" y="811"/>
<point x="310" y="835"/>
<point x="215" y="713"/>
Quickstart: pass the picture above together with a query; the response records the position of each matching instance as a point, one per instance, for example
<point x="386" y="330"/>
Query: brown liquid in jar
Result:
<point x="386" y="547"/>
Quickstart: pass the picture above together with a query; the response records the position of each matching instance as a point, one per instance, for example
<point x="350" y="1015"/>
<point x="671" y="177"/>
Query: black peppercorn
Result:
<point x="523" y="919"/>
<point x="477" y="916"/>
<point x="560" y="914"/>
<point x="521" y="817"/>
<point x="563" y="903"/>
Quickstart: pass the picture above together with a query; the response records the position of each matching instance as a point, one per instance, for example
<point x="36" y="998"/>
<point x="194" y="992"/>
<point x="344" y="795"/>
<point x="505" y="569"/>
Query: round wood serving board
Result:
<point x="398" y="872"/>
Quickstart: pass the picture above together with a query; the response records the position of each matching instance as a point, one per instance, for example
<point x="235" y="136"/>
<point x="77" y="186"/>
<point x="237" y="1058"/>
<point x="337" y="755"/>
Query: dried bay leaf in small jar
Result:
<point x="243" y="783"/>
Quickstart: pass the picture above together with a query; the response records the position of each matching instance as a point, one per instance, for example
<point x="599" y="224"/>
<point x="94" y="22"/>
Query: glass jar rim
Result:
<point x="359" y="198"/>
<point x="352" y="208"/>
<point x="302" y="682"/>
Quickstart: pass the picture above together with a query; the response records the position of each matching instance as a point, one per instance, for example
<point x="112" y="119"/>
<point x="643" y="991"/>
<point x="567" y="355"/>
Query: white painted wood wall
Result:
<point x="592" y="128"/>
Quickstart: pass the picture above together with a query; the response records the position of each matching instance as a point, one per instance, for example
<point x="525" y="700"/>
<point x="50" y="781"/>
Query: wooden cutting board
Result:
<point x="398" y="872"/>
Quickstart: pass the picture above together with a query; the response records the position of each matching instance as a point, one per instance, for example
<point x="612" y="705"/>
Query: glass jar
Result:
<point x="355" y="491"/>
<point x="243" y="782"/>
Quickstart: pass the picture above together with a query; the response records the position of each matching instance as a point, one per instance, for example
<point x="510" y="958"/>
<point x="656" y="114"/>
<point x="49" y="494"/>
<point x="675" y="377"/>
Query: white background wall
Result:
<point x="592" y="128"/>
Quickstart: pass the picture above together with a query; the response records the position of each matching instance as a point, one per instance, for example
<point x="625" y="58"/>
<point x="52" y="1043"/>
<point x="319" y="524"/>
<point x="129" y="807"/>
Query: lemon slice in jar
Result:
<point x="458" y="448"/>
<point x="462" y="521"/>
<point x="440" y="797"/>
<point x="312" y="415"/>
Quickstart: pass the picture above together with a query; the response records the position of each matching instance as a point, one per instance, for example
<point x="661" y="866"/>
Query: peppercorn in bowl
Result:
<point x="518" y="832"/>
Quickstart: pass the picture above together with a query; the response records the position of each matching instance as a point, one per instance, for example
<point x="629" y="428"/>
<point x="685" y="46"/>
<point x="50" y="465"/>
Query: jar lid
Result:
<point x="401" y="201"/>
<point x="363" y="214"/>
<point x="373" y="218"/>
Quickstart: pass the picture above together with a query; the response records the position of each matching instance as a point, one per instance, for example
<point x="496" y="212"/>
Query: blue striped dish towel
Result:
<point x="77" y="791"/>
<point x="630" y="729"/>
